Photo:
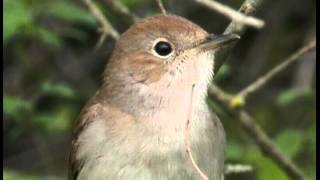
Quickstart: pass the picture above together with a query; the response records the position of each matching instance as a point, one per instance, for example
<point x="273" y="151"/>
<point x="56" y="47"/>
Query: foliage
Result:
<point x="51" y="121"/>
<point x="14" y="24"/>
<point x="23" y="19"/>
<point x="222" y="74"/>
<point x="16" y="107"/>
<point x="131" y="3"/>
<point x="290" y="142"/>
<point x="59" y="90"/>
<point x="9" y="175"/>
<point x="69" y="12"/>
<point x="289" y="96"/>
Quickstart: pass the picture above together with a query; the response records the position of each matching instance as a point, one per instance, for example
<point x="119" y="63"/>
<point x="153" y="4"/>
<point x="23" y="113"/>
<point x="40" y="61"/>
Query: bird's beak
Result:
<point x="212" y="41"/>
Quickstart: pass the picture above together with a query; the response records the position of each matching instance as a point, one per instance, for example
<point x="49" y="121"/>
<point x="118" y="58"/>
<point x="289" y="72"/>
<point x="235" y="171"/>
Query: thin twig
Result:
<point x="163" y="10"/>
<point x="248" y="7"/>
<point x="100" y="41"/>
<point x="219" y="93"/>
<point x="105" y="24"/>
<point x="263" y="141"/>
<point x="232" y="100"/>
<point x="116" y="7"/>
<point x="232" y="14"/>
<point x="261" y="81"/>
<point x="187" y="138"/>
<point x="260" y="137"/>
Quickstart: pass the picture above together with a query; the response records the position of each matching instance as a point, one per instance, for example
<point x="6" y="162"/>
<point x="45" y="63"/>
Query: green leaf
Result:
<point x="15" y="106"/>
<point x="49" y="122"/>
<point x="8" y="175"/>
<point x="70" y="12"/>
<point x="55" y="121"/>
<point x="223" y="72"/>
<point x="290" y="142"/>
<point x="269" y="170"/>
<point x="311" y="150"/>
<point x="266" y="169"/>
<point x="76" y="34"/>
<point x="16" y="17"/>
<point x="49" y="37"/>
<point x="289" y="96"/>
<point x="60" y="90"/>
<point x="234" y="151"/>
<point x="130" y="3"/>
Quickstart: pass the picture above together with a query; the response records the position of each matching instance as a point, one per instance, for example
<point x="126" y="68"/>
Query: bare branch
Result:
<point x="268" y="147"/>
<point x="260" y="137"/>
<point x="219" y="93"/>
<point x="163" y="10"/>
<point x="260" y="82"/>
<point x="116" y="7"/>
<point x="248" y="7"/>
<point x="239" y="98"/>
<point x="248" y="123"/>
<point x="187" y="138"/>
<point x="232" y="14"/>
<point x="106" y="26"/>
<point x="100" y="41"/>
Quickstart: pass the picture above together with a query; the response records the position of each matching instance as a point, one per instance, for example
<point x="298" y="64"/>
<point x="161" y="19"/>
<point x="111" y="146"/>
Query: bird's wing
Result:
<point x="220" y="140"/>
<point x="74" y="164"/>
<point x="89" y="114"/>
<point x="95" y="111"/>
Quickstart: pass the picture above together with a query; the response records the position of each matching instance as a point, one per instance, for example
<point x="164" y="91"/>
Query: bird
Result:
<point x="134" y="125"/>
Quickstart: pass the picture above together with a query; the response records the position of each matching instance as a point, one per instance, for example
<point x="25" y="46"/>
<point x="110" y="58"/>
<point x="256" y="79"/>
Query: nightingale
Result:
<point x="133" y="127"/>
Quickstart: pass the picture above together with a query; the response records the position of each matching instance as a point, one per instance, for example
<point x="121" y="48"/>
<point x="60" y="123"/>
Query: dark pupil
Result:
<point x="163" y="48"/>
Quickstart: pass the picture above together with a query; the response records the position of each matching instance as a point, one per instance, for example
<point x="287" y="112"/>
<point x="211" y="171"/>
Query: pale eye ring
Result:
<point x="162" y="48"/>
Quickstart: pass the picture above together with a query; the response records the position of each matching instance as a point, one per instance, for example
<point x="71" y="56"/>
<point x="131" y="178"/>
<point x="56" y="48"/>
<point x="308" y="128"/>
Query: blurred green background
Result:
<point x="51" y="68"/>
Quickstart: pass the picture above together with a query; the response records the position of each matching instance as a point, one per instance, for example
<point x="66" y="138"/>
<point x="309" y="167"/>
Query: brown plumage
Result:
<point x="133" y="126"/>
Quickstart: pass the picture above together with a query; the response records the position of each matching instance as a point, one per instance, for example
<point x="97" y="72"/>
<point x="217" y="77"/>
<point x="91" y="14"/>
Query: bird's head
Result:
<point x="162" y="56"/>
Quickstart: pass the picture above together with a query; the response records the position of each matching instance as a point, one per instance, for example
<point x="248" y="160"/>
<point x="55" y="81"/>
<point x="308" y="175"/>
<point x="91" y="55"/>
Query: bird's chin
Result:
<point x="196" y="72"/>
<point x="205" y="67"/>
<point x="196" y="65"/>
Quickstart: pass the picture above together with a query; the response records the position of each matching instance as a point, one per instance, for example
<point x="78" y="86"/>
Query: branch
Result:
<point x="260" y="82"/>
<point x="259" y="136"/>
<point x="163" y="10"/>
<point x="116" y="7"/>
<point x="232" y="14"/>
<point x="106" y="27"/>
<point x="247" y="122"/>
<point x="268" y="147"/>
<point x="249" y="7"/>
<point x="239" y="98"/>
<point x="219" y="94"/>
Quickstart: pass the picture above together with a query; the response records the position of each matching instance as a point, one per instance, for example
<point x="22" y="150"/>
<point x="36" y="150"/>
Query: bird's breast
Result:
<point x="149" y="151"/>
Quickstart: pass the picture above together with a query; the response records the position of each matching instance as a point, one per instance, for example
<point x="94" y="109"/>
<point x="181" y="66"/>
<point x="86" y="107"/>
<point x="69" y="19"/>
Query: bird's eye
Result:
<point x="163" y="48"/>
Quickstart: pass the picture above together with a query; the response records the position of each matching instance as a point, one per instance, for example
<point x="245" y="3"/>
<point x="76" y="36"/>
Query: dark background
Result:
<point x="51" y="68"/>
